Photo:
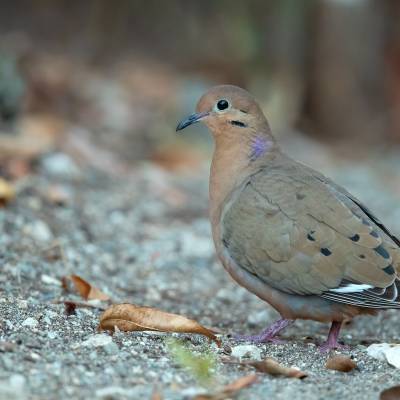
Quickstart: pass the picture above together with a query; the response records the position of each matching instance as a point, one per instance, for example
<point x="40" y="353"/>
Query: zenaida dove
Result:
<point x="286" y="232"/>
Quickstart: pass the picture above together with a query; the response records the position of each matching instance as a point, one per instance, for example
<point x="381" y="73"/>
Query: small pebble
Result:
<point x="98" y="340"/>
<point x="49" y="280"/>
<point x="30" y="322"/>
<point x="39" y="231"/>
<point x="247" y="351"/>
<point x="60" y="165"/>
<point x="23" y="304"/>
<point x="52" y="335"/>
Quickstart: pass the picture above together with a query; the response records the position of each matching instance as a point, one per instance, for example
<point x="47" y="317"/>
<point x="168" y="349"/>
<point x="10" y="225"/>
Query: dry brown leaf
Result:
<point x="272" y="367"/>
<point x="340" y="363"/>
<point x="7" y="192"/>
<point x="392" y="393"/>
<point x="85" y="289"/>
<point x="129" y="317"/>
<point x="230" y="390"/>
<point x="240" y="383"/>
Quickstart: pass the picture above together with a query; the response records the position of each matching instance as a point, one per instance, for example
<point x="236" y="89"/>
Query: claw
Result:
<point x="326" y="347"/>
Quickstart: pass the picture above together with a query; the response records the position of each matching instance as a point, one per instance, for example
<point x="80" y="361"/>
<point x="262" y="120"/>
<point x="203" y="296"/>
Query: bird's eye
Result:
<point x="222" y="105"/>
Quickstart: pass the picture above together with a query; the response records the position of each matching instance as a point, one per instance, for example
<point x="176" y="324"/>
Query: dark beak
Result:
<point x="192" y="119"/>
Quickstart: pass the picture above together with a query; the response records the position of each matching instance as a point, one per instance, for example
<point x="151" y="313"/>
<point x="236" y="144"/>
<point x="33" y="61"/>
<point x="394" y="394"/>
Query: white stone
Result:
<point x="61" y="165"/>
<point x="98" y="340"/>
<point x="193" y="391"/>
<point x="17" y="381"/>
<point x="112" y="392"/>
<point x="247" y="351"/>
<point x="388" y="352"/>
<point x="52" y="335"/>
<point x="51" y="314"/>
<point x="49" y="280"/>
<point x="22" y="304"/>
<point x="31" y="322"/>
<point x="39" y="231"/>
<point x="14" y="388"/>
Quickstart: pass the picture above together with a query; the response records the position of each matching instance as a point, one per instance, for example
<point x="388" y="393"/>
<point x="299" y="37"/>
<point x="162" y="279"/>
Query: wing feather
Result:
<point x="300" y="233"/>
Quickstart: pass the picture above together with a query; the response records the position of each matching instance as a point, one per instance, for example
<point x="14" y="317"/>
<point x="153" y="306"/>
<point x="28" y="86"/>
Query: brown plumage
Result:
<point x="286" y="232"/>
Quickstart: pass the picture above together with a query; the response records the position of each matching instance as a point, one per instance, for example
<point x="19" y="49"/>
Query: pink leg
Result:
<point x="267" y="335"/>
<point x="332" y="343"/>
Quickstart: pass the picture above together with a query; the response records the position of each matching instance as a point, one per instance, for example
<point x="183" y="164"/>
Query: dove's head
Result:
<point x="230" y="113"/>
<point x="226" y="108"/>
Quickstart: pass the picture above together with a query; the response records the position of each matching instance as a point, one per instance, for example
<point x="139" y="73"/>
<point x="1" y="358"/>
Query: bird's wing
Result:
<point x="301" y="233"/>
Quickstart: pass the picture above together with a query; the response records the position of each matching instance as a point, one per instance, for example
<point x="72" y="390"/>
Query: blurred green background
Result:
<point x="109" y="80"/>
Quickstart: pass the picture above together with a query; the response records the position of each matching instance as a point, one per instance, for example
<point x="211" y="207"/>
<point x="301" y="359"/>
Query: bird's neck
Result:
<point x="235" y="159"/>
<point x="260" y="146"/>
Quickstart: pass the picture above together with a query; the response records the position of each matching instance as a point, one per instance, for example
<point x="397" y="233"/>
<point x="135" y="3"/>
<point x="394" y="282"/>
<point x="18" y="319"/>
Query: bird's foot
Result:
<point x="332" y="342"/>
<point x="269" y="334"/>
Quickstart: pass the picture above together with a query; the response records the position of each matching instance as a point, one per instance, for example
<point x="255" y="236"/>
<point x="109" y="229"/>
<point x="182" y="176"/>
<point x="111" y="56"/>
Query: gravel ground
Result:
<point x="145" y="239"/>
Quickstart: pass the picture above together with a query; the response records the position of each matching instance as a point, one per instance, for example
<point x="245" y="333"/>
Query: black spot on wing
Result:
<point x="389" y="270"/>
<point x="362" y="256"/>
<point x="310" y="237"/>
<point x="382" y="252"/>
<point x="326" y="252"/>
<point x="355" y="238"/>
<point x="374" y="234"/>
<point x="375" y="220"/>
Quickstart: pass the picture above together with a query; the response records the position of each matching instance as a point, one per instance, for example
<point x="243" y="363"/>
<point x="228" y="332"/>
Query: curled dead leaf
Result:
<point x="130" y="317"/>
<point x="7" y="192"/>
<point x="85" y="289"/>
<point x="230" y="390"/>
<point x="392" y="393"/>
<point x="273" y="367"/>
<point x="340" y="363"/>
